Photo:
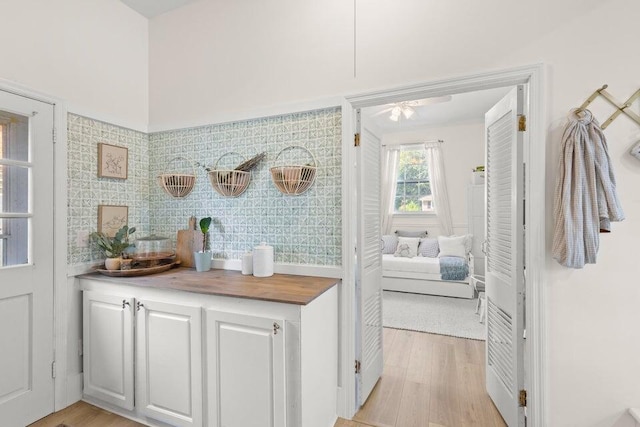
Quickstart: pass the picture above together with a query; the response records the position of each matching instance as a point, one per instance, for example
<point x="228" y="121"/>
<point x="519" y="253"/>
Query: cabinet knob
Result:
<point x="138" y="305"/>
<point x="275" y="328"/>
<point x="125" y="303"/>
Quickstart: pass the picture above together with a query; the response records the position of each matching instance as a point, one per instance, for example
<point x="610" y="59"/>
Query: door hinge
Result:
<point x="54" y="135"/>
<point x="276" y="327"/>
<point x="522" y="123"/>
<point x="522" y="398"/>
<point x="53" y="369"/>
<point x="357" y="366"/>
<point x="356" y="140"/>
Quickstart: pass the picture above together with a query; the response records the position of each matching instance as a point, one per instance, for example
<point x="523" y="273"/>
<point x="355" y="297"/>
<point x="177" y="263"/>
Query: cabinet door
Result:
<point x="245" y="370"/>
<point x="108" y="348"/>
<point x="169" y="362"/>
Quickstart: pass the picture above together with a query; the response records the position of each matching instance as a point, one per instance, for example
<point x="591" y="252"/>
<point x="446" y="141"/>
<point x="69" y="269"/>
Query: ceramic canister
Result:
<point x="263" y="260"/>
<point x="247" y="263"/>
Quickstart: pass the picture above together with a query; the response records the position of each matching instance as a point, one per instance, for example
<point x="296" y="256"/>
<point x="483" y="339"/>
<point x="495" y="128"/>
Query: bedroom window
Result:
<point x="413" y="184"/>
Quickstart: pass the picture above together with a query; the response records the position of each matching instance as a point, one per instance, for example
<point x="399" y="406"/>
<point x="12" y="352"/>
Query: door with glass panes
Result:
<point x="26" y="260"/>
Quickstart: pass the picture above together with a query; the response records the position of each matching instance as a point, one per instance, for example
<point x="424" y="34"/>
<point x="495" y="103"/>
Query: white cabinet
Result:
<point x="167" y="381"/>
<point x="246" y="363"/>
<point x="169" y="362"/>
<point x="476" y="214"/>
<point x="271" y="364"/>
<point x="245" y="370"/>
<point x="108" y="348"/>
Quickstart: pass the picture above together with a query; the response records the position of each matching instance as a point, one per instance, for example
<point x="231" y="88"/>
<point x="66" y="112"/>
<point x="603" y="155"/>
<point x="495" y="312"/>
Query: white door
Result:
<point x="169" y="362"/>
<point x="245" y="370"/>
<point x="108" y="348"/>
<point x="505" y="256"/>
<point x="369" y="263"/>
<point x="26" y="260"/>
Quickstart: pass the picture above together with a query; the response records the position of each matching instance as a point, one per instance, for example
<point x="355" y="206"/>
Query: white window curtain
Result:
<point x="439" y="187"/>
<point x="388" y="183"/>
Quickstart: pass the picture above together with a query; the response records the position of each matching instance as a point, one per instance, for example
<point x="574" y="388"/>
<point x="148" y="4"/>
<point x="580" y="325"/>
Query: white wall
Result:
<point x="214" y="58"/>
<point x="462" y="150"/>
<point x="92" y="54"/>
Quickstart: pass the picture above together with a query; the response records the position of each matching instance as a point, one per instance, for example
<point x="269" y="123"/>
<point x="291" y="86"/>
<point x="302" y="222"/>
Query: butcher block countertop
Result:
<point x="284" y="288"/>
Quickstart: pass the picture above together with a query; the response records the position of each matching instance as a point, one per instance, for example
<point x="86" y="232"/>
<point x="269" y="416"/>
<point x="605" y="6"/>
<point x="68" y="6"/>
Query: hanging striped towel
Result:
<point x="585" y="199"/>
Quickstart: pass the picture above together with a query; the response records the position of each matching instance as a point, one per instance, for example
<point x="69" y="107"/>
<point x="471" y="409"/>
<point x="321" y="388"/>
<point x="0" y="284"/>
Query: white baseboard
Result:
<point x="285" y="268"/>
<point x="78" y="269"/>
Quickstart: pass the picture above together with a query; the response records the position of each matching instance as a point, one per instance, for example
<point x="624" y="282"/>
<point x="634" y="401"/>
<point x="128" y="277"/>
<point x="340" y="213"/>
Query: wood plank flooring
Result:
<point x="429" y="381"/>
<point x="81" y="414"/>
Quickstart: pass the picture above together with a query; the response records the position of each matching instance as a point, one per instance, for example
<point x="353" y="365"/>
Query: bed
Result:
<point x="422" y="275"/>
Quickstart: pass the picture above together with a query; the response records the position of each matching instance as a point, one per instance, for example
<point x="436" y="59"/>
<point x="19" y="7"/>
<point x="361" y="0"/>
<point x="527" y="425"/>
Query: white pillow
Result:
<point x="407" y="247"/>
<point x="452" y="246"/>
<point x="468" y="243"/>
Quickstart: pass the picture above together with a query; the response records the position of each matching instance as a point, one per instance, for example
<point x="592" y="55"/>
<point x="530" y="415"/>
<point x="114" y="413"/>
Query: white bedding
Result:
<point x="411" y="265"/>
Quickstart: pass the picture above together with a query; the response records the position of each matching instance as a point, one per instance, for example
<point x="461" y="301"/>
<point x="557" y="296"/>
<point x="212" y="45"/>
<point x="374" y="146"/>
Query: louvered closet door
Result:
<point x="505" y="255"/>
<point x="369" y="262"/>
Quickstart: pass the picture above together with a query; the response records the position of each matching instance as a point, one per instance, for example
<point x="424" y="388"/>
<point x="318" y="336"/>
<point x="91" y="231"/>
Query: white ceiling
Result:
<point x="463" y="107"/>
<point x="151" y="8"/>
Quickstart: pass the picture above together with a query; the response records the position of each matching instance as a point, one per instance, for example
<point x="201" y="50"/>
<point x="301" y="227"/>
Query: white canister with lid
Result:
<point x="263" y="260"/>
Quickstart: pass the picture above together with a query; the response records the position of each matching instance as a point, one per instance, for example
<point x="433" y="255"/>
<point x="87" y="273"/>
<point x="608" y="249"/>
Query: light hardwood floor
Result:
<point x="81" y="414"/>
<point x="429" y="381"/>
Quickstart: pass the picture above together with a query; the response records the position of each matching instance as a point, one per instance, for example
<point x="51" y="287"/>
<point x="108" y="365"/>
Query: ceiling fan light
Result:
<point x="407" y="112"/>
<point x="395" y="113"/>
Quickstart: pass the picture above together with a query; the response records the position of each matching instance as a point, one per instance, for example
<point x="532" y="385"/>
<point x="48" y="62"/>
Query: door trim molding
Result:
<point x="535" y="188"/>
<point x="60" y="296"/>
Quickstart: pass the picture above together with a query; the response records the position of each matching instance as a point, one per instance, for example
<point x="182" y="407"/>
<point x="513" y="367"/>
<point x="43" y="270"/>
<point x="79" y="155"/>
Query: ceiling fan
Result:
<point x="406" y="109"/>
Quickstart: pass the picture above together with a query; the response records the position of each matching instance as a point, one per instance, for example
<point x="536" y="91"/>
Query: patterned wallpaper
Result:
<point x="304" y="229"/>
<point x="86" y="191"/>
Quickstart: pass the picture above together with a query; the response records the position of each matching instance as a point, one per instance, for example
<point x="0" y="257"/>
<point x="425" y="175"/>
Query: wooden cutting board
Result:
<point x="188" y="241"/>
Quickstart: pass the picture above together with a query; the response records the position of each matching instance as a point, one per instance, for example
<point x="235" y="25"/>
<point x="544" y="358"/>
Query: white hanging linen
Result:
<point x="439" y="187"/>
<point x="390" y="157"/>
<point x="586" y="200"/>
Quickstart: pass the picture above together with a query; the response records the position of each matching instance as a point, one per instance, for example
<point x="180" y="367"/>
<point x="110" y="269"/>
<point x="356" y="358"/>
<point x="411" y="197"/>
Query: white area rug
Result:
<point x="438" y="315"/>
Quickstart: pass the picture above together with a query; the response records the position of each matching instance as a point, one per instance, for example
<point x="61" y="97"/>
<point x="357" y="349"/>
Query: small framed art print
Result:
<point x="111" y="218"/>
<point x="113" y="161"/>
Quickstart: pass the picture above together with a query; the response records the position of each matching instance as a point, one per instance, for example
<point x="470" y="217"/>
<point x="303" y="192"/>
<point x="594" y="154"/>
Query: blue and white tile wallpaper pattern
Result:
<point x="86" y="191"/>
<point x="303" y="229"/>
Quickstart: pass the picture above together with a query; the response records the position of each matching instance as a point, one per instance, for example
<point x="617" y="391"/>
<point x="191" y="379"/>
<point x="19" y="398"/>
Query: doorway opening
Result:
<point x="534" y="184"/>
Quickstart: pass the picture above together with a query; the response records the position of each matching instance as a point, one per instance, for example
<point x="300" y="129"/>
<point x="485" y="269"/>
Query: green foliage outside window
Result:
<point x="413" y="182"/>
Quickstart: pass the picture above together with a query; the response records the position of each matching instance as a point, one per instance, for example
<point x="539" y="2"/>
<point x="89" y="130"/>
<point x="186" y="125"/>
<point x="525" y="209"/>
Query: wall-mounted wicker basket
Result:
<point x="294" y="180"/>
<point x="177" y="184"/>
<point x="229" y="182"/>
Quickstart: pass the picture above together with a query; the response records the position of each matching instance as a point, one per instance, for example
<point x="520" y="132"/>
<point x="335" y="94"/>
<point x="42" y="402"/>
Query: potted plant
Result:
<point x="113" y="247"/>
<point x="203" y="258"/>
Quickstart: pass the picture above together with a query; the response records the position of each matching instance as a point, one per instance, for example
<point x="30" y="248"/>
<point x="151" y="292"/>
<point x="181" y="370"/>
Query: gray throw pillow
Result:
<point x="409" y="233"/>
<point x="428" y="248"/>
<point x="389" y="243"/>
